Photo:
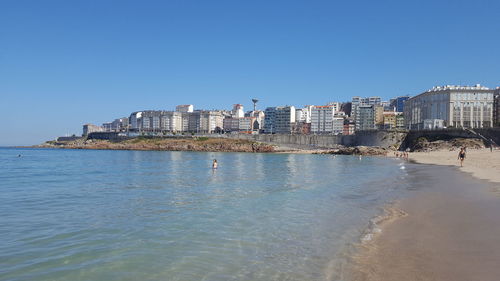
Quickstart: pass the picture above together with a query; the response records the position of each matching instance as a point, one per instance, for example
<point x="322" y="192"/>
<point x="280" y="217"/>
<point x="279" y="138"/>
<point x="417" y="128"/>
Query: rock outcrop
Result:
<point x="422" y="144"/>
<point x="359" y="150"/>
<point x="166" y="144"/>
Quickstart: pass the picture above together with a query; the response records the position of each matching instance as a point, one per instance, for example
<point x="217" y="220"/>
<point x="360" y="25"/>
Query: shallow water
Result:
<point x="149" y="215"/>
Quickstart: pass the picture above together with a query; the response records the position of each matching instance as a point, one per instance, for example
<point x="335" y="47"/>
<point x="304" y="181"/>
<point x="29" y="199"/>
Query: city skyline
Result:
<point x="66" y="64"/>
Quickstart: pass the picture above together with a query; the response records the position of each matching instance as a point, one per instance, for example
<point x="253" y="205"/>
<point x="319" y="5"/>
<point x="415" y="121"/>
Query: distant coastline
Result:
<point x="202" y="144"/>
<point x="206" y="144"/>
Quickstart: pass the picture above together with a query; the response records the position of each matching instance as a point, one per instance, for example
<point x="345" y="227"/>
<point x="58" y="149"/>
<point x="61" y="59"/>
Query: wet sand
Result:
<point x="451" y="231"/>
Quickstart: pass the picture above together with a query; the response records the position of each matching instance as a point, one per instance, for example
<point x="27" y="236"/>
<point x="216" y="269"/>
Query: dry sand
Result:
<point x="452" y="227"/>
<point x="481" y="163"/>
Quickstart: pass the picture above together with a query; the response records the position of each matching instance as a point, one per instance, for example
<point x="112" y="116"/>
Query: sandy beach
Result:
<point x="451" y="230"/>
<point x="481" y="163"/>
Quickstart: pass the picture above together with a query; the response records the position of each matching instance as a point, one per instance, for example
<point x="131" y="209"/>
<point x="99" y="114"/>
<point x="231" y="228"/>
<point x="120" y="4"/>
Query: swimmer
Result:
<point x="214" y="164"/>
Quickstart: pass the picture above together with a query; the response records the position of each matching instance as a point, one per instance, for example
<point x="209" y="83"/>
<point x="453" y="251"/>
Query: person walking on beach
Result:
<point x="214" y="164"/>
<point x="461" y="156"/>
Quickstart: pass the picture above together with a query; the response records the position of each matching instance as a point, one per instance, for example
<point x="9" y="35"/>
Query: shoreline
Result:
<point x="447" y="229"/>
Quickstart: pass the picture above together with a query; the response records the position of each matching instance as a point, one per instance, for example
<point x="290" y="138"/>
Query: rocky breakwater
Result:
<point x="358" y="150"/>
<point x="166" y="144"/>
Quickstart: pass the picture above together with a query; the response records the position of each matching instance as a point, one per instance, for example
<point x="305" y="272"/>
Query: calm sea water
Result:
<point x="148" y="215"/>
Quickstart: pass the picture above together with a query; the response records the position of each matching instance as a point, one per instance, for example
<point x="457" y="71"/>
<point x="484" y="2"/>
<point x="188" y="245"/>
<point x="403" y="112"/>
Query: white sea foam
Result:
<point x="389" y="213"/>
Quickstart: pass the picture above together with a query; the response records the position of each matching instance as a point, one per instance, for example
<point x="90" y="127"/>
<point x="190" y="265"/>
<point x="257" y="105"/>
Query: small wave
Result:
<point x="390" y="213"/>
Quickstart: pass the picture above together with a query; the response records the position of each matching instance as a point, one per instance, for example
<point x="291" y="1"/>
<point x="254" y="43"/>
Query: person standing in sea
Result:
<point x="214" y="164"/>
<point x="461" y="156"/>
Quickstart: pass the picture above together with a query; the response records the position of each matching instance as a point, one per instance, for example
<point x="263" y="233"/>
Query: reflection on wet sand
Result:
<point x="452" y="232"/>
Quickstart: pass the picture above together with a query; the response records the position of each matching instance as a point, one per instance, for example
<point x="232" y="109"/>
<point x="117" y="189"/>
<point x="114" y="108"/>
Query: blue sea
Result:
<point x="155" y="215"/>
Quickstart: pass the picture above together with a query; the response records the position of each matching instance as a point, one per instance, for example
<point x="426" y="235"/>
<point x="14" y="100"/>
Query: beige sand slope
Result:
<point x="481" y="163"/>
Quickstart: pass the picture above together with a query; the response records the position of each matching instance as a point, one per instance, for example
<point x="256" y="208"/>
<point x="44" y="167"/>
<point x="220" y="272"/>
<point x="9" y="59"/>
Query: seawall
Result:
<point x="366" y="138"/>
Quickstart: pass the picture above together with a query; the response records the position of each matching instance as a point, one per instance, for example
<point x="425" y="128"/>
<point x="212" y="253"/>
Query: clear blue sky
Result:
<point x="65" y="63"/>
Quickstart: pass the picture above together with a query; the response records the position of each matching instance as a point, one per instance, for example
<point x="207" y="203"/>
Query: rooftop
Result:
<point x="458" y="87"/>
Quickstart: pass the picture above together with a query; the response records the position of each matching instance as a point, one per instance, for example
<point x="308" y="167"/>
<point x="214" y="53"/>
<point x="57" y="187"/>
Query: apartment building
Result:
<point x="379" y="116"/>
<point x="171" y="121"/>
<point x="203" y="121"/>
<point x="243" y="124"/>
<point x="199" y="121"/>
<point x="397" y="104"/>
<point x="322" y="119"/>
<point x="358" y="101"/>
<point x="269" y="120"/>
<point x="285" y="119"/>
<point x="280" y="120"/>
<point x="365" y="117"/>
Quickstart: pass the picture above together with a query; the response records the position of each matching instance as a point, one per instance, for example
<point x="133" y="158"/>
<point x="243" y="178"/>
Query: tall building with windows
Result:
<point x="203" y="121"/>
<point x="269" y="120"/>
<point x="279" y="120"/>
<point x="239" y="124"/>
<point x="322" y="119"/>
<point x="151" y="120"/>
<point x="135" y="120"/>
<point x="171" y="121"/>
<point x="365" y="117"/>
<point x="457" y="106"/>
<point x="379" y="116"/>
<point x="285" y="119"/>
<point x="397" y="104"/>
<point x="357" y="101"/>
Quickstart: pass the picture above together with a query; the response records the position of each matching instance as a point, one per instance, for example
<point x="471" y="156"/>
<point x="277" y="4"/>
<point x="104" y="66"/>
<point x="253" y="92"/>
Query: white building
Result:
<point x="203" y="121"/>
<point x="337" y="125"/>
<point x="171" y="121"/>
<point x="135" y="121"/>
<point x="322" y="119"/>
<point x="259" y="119"/>
<point x="210" y="121"/>
<point x="457" y="106"/>
<point x="303" y="114"/>
<point x="184" y="108"/>
<point x="336" y="105"/>
<point x="237" y="111"/>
